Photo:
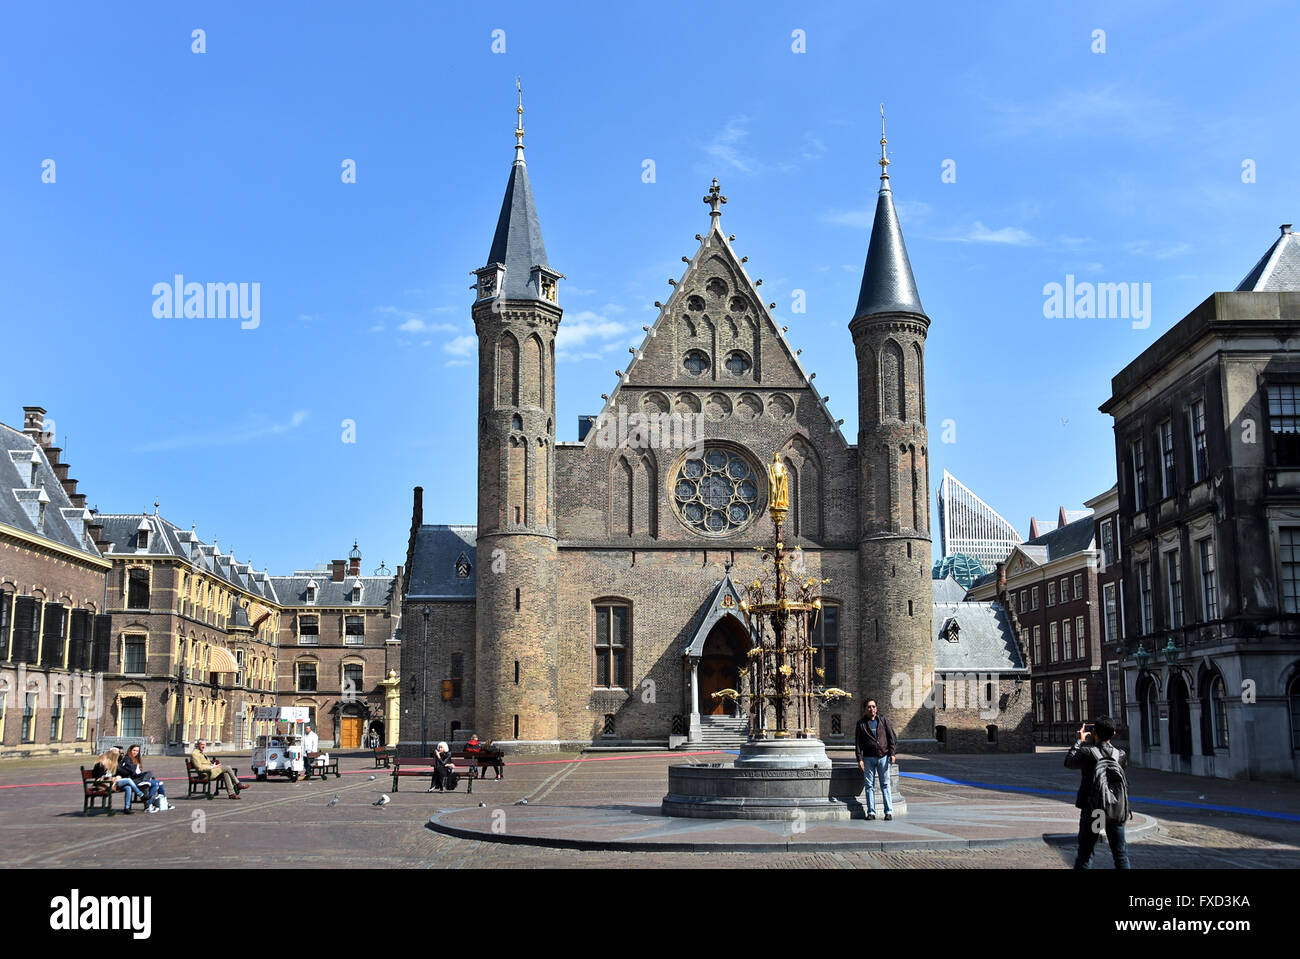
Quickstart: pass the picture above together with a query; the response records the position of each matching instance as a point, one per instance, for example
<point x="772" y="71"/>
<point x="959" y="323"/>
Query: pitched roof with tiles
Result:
<point x="21" y="497"/>
<point x="121" y="532"/>
<point x="292" y="590"/>
<point x="436" y="565"/>
<point x="1278" y="270"/>
<point x="984" y="640"/>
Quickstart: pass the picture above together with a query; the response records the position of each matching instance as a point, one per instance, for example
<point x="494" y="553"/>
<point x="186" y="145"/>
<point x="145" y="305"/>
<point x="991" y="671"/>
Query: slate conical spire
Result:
<point x="517" y="243"/>
<point x="887" y="282"/>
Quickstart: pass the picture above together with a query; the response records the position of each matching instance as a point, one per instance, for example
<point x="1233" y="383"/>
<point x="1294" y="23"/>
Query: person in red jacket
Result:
<point x="874" y="742"/>
<point x="472" y="748"/>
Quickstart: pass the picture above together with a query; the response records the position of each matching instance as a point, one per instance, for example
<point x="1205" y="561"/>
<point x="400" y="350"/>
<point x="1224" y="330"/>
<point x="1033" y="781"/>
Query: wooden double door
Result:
<point x="350" y="728"/>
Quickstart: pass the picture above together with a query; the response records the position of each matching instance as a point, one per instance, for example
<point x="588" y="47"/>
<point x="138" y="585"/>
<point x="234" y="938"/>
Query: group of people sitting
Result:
<point x="125" y="774"/>
<point x="445" y="774"/>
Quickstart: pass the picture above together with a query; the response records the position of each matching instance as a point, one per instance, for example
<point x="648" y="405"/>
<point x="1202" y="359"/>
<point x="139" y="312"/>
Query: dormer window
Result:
<point x="36" y="471"/>
<point x="356" y="592"/>
<point x="311" y="591"/>
<point x="462" y="566"/>
<point x="142" y="539"/>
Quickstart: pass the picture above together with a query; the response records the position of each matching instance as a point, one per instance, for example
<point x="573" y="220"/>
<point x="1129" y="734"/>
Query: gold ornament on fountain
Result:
<point x="778" y="490"/>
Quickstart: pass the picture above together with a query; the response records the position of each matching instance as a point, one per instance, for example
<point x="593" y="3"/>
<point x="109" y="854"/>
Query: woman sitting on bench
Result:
<point x="444" y="773"/>
<point x="105" y="771"/>
<point x="130" y="768"/>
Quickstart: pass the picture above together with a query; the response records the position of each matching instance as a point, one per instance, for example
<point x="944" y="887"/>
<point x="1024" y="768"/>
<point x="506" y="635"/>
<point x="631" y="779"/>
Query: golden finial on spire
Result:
<point x="519" y="124"/>
<point x="884" y="160"/>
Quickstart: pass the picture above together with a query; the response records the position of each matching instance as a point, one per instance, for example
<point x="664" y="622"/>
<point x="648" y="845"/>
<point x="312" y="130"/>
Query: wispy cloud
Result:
<point x="909" y="211"/>
<point x="1157" y="250"/>
<point x="726" y="146"/>
<point x="977" y="232"/>
<point x="461" y="346"/>
<point x="418" y="321"/>
<point x="260" y="426"/>
<point x="590" y="335"/>
<point x="1084" y="112"/>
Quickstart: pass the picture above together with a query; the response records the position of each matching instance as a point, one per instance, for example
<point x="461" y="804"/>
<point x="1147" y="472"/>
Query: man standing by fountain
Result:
<point x="874" y="743"/>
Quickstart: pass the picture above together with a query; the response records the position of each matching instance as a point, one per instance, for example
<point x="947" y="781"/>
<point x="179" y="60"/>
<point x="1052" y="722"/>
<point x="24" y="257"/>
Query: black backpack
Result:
<point x="1109" y="789"/>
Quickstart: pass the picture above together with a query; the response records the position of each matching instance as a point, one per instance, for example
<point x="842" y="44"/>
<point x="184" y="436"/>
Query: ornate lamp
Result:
<point x="1142" y="656"/>
<point x="1171" y="652"/>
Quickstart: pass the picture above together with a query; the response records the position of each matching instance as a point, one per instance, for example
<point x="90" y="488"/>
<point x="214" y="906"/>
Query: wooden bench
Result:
<point x="381" y="757"/>
<point x="479" y="763"/>
<point x="198" y="783"/>
<point x="423" y="766"/>
<point x="323" y="769"/>
<point x="93" y="790"/>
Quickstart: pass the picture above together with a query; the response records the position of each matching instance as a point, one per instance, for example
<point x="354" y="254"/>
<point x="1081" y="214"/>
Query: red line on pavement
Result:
<point x="356" y="772"/>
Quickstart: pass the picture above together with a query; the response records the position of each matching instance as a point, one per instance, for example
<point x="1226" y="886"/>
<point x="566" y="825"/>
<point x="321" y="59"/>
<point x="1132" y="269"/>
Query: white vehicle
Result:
<point x="280" y="753"/>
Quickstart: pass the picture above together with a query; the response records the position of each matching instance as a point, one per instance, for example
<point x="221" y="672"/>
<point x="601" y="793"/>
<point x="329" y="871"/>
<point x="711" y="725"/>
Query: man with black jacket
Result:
<point x="874" y="742"/>
<point x="1093" y="745"/>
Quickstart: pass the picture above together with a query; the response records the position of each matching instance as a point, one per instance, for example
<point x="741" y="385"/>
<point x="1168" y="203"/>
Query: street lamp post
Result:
<point x="424" y="686"/>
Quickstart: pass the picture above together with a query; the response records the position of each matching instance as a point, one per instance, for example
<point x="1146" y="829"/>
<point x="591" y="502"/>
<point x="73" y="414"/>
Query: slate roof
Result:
<point x="1071" y="538"/>
<point x="63" y="522"/>
<point x="887" y="282"/>
<point x="433" y="563"/>
<point x="518" y="239"/>
<point x="948" y="590"/>
<point x="985" y="641"/>
<point x="1278" y="270"/>
<point x="292" y="590"/>
<point x="713" y="610"/>
<point x="168" y="539"/>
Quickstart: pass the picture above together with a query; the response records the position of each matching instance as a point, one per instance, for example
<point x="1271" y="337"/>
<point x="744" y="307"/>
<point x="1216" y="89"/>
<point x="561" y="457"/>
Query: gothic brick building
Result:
<point x="597" y="598"/>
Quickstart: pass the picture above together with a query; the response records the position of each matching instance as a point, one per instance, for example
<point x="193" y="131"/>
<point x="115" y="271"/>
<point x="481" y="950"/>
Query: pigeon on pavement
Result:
<point x="381" y="801"/>
<point x="334" y="801"/>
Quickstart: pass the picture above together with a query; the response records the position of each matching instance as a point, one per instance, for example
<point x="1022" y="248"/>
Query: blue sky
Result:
<point x="1116" y="166"/>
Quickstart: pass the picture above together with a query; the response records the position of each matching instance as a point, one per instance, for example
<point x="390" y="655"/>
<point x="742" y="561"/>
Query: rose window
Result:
<point x="716" y="493"/>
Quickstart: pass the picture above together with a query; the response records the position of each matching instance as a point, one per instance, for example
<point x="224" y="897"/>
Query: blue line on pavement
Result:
<point x="1177" y="803"/>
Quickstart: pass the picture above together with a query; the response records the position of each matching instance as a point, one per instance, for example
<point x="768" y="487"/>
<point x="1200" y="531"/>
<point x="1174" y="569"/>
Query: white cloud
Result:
<point x="977" y="232"/>
<point x="414" y="321"/>
<point x="909" y="211"/>
<point x="589" y="335"/>
<point x="1158" y="251"/>
<point x="461" y="345"/>
<point x="726" y="146"/>
<point x="457" y="363"/>
<point x="258" y="428"/>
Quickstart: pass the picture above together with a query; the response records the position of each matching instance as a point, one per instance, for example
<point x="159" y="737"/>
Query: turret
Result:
<point x="516" y="314"/>
<point x="889" y="329"/>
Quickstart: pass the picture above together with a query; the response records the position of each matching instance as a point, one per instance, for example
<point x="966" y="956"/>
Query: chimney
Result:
<point x="418" y="512"/>
<point x="1286" y="228"/>
<point x="61" y="471"/>
<point x="34" y="424"/>
<point x="337" y="569"/>
<point x="1002" y="577"/>
<point x="354" y="560"/>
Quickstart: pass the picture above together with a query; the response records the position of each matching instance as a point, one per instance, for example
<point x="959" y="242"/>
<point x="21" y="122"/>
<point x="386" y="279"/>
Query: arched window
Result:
<point x="1152" y="708"/>
<point x="1219" y="712"/>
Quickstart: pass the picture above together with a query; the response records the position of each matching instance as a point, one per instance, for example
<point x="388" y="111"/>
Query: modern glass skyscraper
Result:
<point x="971" y="526"/>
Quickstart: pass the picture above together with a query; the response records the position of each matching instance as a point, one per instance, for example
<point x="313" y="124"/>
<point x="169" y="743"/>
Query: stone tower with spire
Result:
<point x="895" y="594"/>
<point x="516" y="314"/>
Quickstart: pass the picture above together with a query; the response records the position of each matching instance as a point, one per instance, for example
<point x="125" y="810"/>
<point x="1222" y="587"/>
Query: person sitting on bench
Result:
<point x="211" y="770"/>
<point x="444" y="773"/>
<point x="105" y="771"/>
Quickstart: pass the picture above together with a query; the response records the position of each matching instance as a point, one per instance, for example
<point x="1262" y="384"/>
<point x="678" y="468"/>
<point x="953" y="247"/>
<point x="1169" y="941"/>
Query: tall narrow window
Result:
<point x="1219" y="712"/>
<point x="133" y="719"/>
<point x="1033" y="598"/>
<point x="29" y="718"/>
<point x="1108" y="543"/>
<point x="611" y="645"/>
<point x="1284" y="423"/>
<point x="27" y="639"/>
<point x="308" y="630"/>
<point x="1144" y="591"/>
<point x="1083" y="700"/>
<point x="81" y="718"/>
<point x="1209" y="591"/>
<point x="1069" y="699"/>
<point x="1113" y="688"/>
<point x="1166" y="434"/>
<point x="1053" y="643"/>
<point x="1152" y="706"/>
<point x="1051" y="593"/>
<point x="1138" y="459"/>
<point x="1111" y="610"/>
<point x="1038" y="645"/>
<point x="1078" y="636"/>
<point x="826" y="642"/>
<point x="1174" y="577"/>
<point x="1200" y="450"/>
<point x="1056" y="702"/>
<point x="1078" y="586"/>
<point x="1039" y="702"/>
<point x="136" y="655"/>
<point x="56" y="718"/>
<point x="1289" y="541"/>
<point x="137" y="589"/>
<point x="53" y="640"/>
<point x="6" y="617"/>
<point x="1067" y="642"/>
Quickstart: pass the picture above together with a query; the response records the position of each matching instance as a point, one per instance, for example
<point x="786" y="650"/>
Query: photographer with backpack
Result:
<point x="1103" y="791"/>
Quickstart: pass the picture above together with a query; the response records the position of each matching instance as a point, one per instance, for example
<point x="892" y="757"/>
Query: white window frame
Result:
<point x="1168" y="469"/>
<point x="1137" y="456"/>
<point x="1202" y="575"/>
<point x="1173" y="577"/>
<point x="1196" y="428"/>
<point x="1053" y="643"/>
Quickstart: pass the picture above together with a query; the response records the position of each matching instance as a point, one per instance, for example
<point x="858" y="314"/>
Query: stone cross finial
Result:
<point x="715" y="199"/>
